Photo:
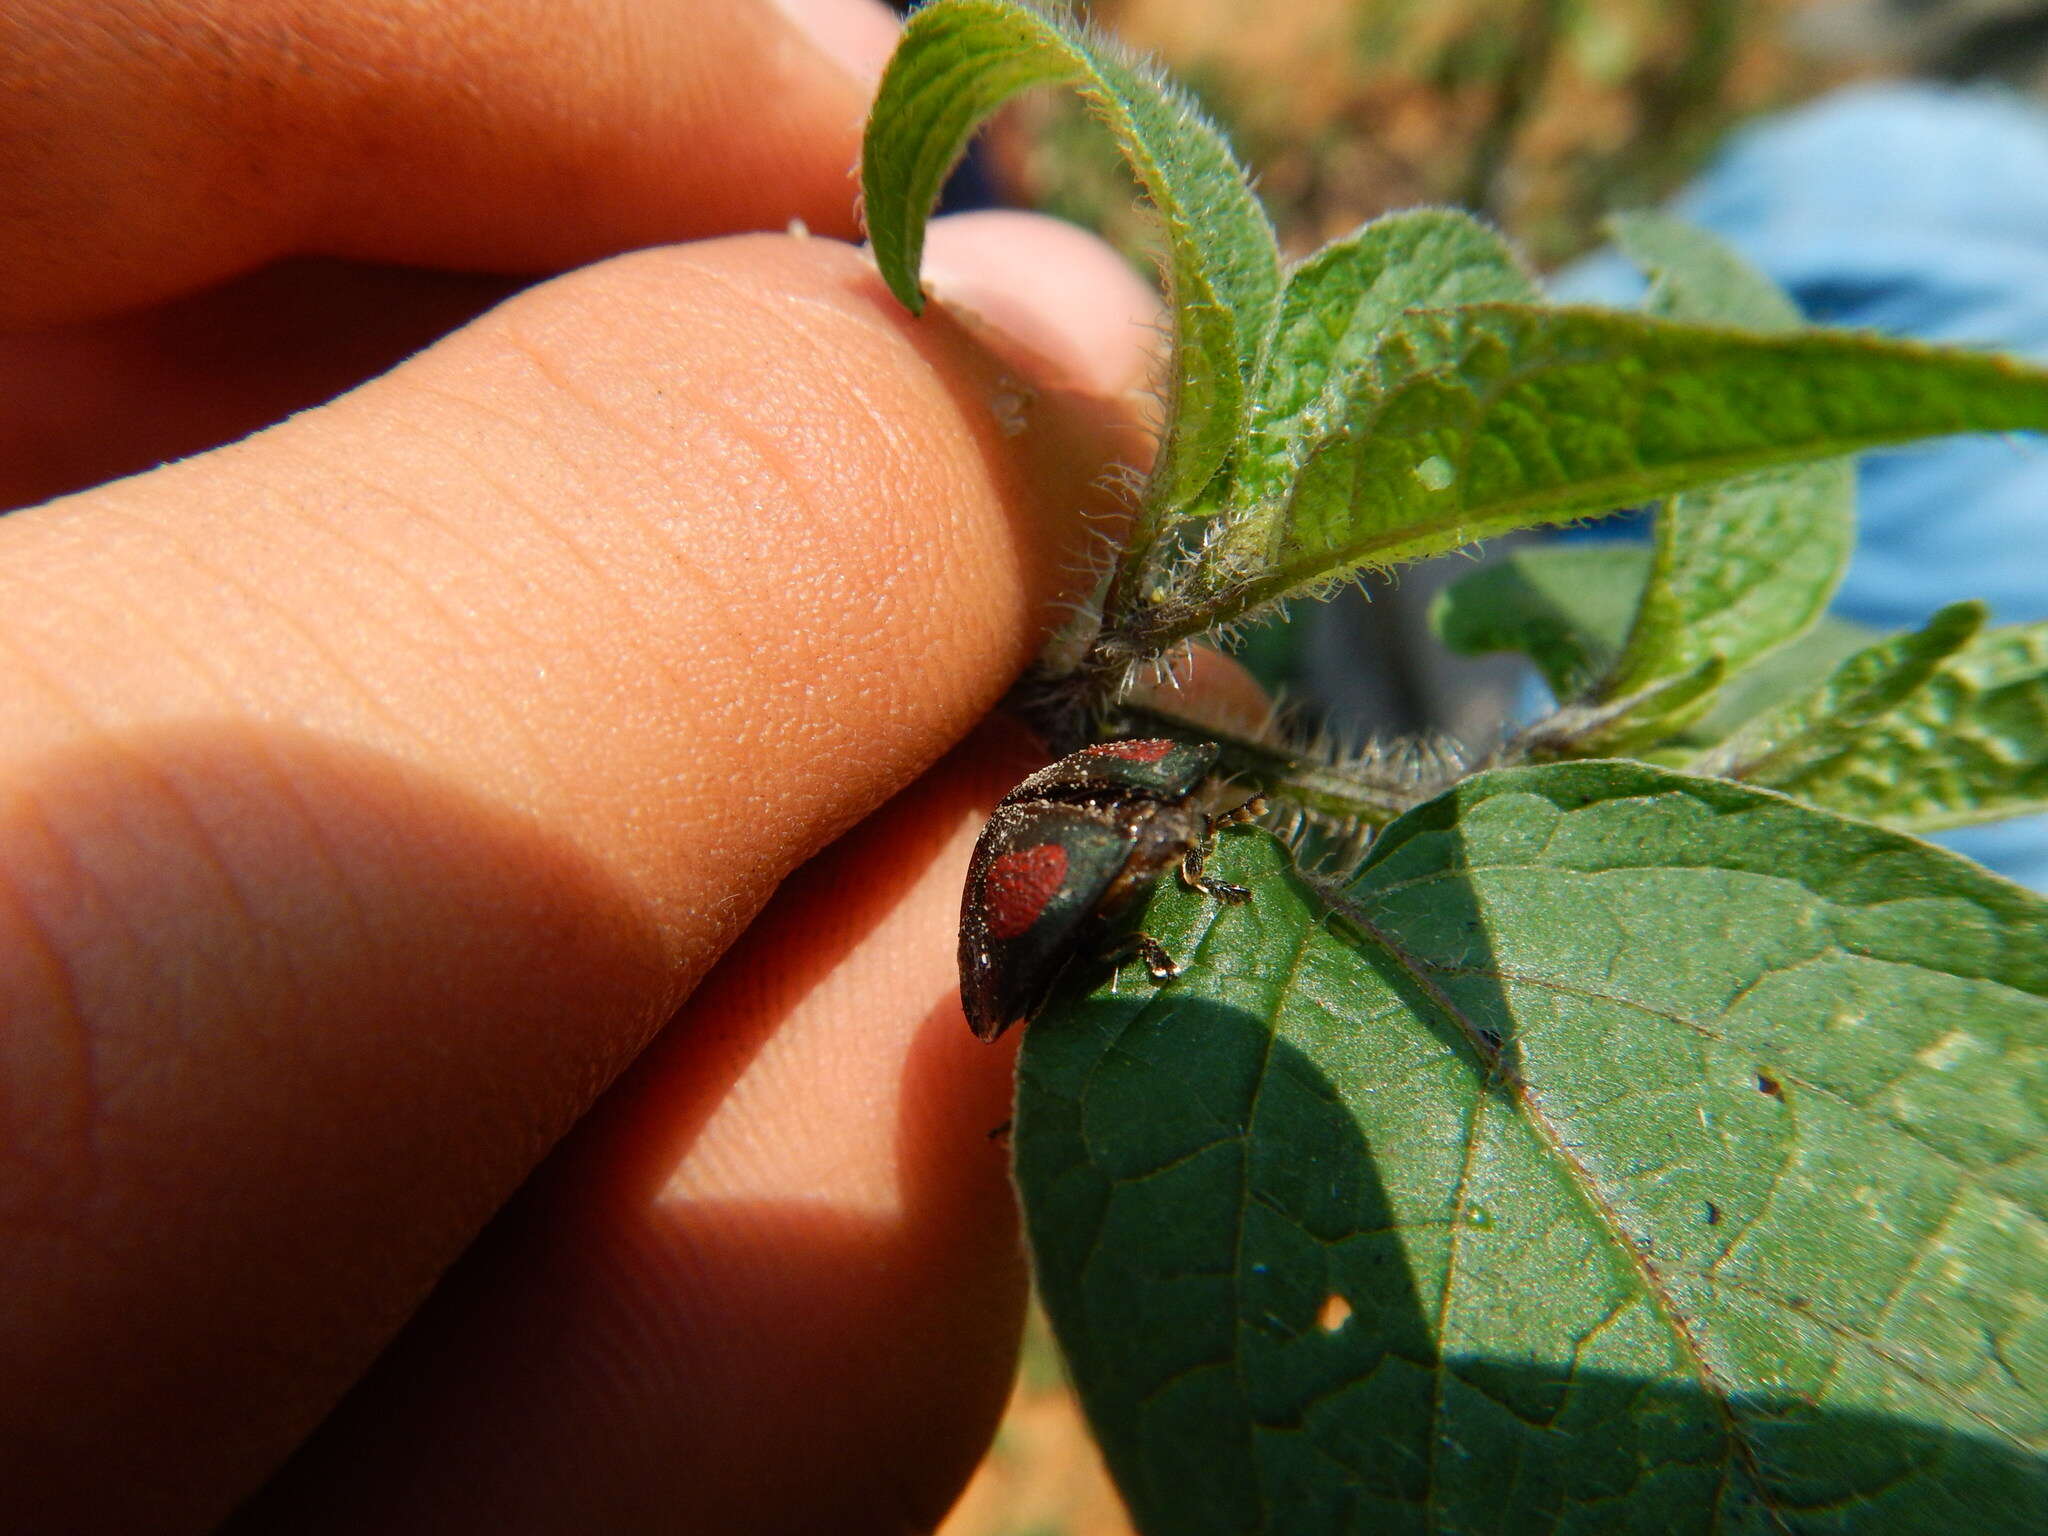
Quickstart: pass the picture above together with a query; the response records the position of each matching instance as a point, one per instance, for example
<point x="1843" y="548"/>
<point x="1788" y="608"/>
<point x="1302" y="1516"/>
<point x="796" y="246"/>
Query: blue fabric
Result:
<point x="1922" y="211"/>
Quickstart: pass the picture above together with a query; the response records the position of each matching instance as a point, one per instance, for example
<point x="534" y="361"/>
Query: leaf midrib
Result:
<point x="1582" y="1183"/>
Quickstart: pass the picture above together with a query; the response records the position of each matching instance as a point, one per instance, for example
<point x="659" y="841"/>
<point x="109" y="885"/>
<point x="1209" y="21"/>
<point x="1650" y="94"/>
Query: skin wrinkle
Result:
<point x="101" y="1112"/>
<point x="270" y="616"/>
<point x="548" y="527"/>
<point x="829" y="319"/>
<point x="315" y="1170"/>
<point x="742" y="1216"/>
<point x="885" y="427"/>
<point x="286" y="790"/>
<point x="132" y="1260"/>
<point x="481" y="692"/>
<point x="611" y="422"/>
<point x="212" y="858"/>
<point x="813" y="556"/>
<point x="467" y="692"/>
<point x="792" y="484"/>
<point x="65" y="1019"/>
<point x="23" y="666"/>
<point x="110" y="620"/>
<point x="852" y="394"/>
<point x="171" y="797"/>
<point x="162" y="636"/>
<point x="517" y="576"/>
<point x="456" y="626"/>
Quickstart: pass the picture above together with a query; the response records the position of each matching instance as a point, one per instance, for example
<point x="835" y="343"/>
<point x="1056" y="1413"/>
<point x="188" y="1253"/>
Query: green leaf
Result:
<point x="961" y="59"/>
<point x="1776" y="748"/>
<point x="1698" y="276"/>
<point x="1635" y="1152"/>
<point x="1783" y="675"/>
<point x="1634" y="725"/>
<point x="1490" y="417"/>
<point x="1336" y="310"/>
<point x="1938" y="728"/>
<point x="1567" y="608"/>
<point x="1741" y="569"/>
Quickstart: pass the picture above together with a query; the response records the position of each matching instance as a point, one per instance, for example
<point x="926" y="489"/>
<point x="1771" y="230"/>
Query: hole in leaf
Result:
<point x="1765" y="1083"/>
<point x="1435" y="472"/>
<point x="1335" y="1314"/>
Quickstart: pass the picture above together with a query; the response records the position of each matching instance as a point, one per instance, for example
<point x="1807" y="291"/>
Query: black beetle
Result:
<point x="1066" y="853"/>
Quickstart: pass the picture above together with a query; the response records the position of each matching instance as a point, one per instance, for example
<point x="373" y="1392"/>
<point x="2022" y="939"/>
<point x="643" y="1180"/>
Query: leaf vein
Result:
<point x="1651" y="1278"/>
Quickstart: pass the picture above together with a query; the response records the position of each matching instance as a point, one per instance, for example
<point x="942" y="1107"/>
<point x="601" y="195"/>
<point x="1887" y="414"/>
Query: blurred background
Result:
<point x="1886" y="160"/>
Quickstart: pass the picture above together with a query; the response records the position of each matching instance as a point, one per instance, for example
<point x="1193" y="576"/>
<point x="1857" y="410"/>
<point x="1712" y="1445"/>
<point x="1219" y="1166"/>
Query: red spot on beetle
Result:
<point x="1132" y="751"/>
<point x="1018" y="886"/>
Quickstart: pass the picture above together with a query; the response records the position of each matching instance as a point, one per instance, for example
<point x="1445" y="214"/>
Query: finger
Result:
<point x="786" y="1238"/>
<point x="90" y="402"/>
<point x="152" y="147"/>
<point x="785" y="1241"/>
<point x="1214" y="690"/>
<point x="378" y="784"/>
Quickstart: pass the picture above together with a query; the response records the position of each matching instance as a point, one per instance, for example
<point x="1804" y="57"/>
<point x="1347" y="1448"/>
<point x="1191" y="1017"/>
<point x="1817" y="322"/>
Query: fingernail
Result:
<point x="1055" y="289"/>
<point x="857" y="35"/>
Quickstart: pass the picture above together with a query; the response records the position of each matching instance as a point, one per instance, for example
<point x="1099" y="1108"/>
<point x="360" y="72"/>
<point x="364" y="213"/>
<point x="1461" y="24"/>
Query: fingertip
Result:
<point x="856" y="35"/>
<point x="1216" y="690"/>
<point x="1060" y="293"/>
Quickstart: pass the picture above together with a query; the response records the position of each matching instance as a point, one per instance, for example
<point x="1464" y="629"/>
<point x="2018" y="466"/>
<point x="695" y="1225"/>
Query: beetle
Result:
<point x="1068" y="852"/>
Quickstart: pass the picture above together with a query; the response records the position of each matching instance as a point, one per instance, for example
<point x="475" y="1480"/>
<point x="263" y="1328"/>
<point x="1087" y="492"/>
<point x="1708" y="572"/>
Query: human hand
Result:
<point x="372" y="790"/>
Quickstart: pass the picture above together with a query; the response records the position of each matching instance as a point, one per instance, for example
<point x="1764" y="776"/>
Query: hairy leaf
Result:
<point x="1490" y="417"/>
<point x="1695" y="275"/>
<point x="1791" y="670"/>
<point x="1939" y="728"/>
<point x="1634" y="725"/>
<point x="1778" y="747"/>
<point x="961" y="59"/>
<point x="1745" y="567"/>
<point x="1625" y="1151"/>
<point x="1336" y="310"/>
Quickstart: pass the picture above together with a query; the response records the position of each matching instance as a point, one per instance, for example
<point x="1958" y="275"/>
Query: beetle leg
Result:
<point x="1158" y="962"/>
<point x="1192" y="861"/>
<point x="1191" y="875"/>
<point x="1249" y="811"/>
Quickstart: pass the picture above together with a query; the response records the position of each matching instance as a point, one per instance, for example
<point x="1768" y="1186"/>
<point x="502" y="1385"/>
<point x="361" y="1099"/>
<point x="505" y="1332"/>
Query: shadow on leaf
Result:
<point x="1249" y="1294"/>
